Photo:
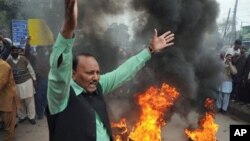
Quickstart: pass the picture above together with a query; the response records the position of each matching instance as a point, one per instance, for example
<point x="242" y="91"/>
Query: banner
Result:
<point x="19" y="33"/>
<point x="40" y="33"/>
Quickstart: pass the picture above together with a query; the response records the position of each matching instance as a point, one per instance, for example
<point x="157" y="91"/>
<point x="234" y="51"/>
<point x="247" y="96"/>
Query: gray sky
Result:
<point x="242" y="16"/>
<point x="243" y="11"/>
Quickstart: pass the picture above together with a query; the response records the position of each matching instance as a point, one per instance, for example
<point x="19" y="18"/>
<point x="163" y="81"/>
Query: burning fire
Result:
<point x="120" y="129"/>
<point x="153" y="104"/>
<point x="207" y="127"/>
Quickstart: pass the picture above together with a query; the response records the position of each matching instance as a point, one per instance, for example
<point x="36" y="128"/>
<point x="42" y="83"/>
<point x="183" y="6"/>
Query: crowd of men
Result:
<point x="235" y="87"/>
<point x="75" y="91"/>
<point x="23" y="84"/>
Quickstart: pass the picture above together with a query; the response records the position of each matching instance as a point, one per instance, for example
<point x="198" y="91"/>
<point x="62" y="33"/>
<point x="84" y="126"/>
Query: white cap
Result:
<point x="8" y="40"/>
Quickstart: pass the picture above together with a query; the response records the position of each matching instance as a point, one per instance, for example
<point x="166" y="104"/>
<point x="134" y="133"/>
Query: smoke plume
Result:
<point x="189" y="65"/>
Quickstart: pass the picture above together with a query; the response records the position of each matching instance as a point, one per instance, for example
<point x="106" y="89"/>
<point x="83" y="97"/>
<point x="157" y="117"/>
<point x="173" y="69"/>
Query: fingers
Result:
<point x="169" y="38"/>
<point x="169" y="44"/>
<point x="69" y="7"/>
<point x="164" y="40"/>
<point x="165" y="34"/>
<point x="69" y="2"/>
<point x="156" y="33"/>
<point x="70" y="21"/>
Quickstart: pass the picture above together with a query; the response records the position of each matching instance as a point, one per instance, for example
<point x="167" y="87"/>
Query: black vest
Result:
<point x="78" y="122"/>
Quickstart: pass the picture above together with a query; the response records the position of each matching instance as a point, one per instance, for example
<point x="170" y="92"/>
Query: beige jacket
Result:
<point x="8" y="94"/>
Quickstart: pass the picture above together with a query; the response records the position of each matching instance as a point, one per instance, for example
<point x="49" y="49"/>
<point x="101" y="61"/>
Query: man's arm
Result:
<point x="232" y="68"/>
<point x="31" y="70"/>
<point x="70" y="19"/>
<point x="27" y="48"/>
<point x="129" y="68"/>
<point x="61" y="61"/>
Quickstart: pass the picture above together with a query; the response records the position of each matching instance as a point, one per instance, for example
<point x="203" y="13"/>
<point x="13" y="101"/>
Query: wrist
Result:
<point x="150" y="49"/>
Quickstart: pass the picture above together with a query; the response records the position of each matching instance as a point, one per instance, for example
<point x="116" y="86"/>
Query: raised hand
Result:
<point x="70" y="19"/>
<point x="161" y="42"/>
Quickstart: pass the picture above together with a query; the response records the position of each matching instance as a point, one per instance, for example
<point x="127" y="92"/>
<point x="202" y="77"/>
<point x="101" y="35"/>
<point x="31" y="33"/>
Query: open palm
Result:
<point x="161" y="42"/>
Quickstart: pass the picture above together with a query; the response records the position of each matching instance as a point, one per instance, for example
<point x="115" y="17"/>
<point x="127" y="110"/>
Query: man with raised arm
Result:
<point x="76" y="107"/>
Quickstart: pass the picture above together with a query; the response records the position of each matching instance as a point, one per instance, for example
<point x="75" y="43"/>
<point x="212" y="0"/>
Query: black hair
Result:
<point x="15" y="47"/>
<point x="75" y="59"/>
<point x="237" y="42"/>
<point x="243" y="47"/>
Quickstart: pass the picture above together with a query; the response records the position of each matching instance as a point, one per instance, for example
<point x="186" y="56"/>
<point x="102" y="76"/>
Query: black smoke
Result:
<point x="189" y="65"/>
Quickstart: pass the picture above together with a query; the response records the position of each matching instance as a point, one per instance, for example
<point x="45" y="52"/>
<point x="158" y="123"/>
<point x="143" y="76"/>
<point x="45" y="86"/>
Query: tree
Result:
<point x="8" y="11"/>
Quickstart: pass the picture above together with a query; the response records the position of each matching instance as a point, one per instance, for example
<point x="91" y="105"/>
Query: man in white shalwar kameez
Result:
<point x="25" y="77"/>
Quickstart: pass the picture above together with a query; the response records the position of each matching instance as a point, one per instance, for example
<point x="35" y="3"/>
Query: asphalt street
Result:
<point x="173" y="131"/>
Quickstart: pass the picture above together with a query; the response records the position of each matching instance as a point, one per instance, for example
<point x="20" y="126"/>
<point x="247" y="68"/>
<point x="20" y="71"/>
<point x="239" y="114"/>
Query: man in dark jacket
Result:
<point x="77" y="110"/>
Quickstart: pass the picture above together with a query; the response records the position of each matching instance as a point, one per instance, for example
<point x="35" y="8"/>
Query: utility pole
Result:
<point x="50" y="4"/>
<point x="241" y="28"/>
<point x="234" y="20"/>
<point x="226" y="26"/>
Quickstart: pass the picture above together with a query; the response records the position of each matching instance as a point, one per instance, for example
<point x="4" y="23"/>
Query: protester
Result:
<point x="9" y="100"/>
<point x="235" y="50"/>
<point x="42" y="70"/>
<point x="246" y="94"/>
<point x="30" y="52"/>
<point x="40" y="62"/>
<point x="239" y="62"/>
<point x="5" y="47"/>
<point x="226" y="87"/>
<point x="77" y="110"/>
<point x="24" y="76"/>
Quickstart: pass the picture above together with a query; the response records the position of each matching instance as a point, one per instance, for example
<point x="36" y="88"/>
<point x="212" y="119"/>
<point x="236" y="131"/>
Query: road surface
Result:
<point x="173" y="131"/>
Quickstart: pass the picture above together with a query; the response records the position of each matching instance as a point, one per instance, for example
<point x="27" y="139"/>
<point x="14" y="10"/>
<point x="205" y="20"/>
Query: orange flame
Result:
<point x="207" y="127"/>
<point x="120" y="129"/>
<point x="153" y="104"/>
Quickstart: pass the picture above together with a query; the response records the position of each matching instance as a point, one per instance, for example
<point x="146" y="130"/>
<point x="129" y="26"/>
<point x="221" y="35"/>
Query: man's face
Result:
<point x="87" y="73"/>
<point x="242" y="50"/>
<point x="14" y="53"/>
<point x="229" y="58"/>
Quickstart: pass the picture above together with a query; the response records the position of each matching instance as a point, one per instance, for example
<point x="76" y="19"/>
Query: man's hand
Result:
<point x="70" y="19"/>
<point x="28" y="40"/>
<point x="161" y="42"/>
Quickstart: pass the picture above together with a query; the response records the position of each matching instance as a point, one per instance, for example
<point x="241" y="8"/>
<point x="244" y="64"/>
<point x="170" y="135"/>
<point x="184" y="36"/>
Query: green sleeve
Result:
<point x="60" y="74"/>
<point x="124" y="72"/>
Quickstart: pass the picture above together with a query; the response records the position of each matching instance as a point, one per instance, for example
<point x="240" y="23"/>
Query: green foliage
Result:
<point x="8" y="11"/>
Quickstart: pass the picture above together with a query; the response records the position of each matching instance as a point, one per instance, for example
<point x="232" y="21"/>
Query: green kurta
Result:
<point x="60" y="79"/>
